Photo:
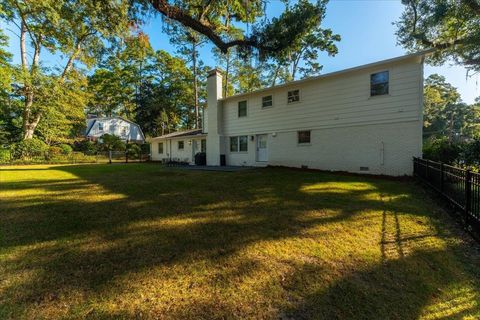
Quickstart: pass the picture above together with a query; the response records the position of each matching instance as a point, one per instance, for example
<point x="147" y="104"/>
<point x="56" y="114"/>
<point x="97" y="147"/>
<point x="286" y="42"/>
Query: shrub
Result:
<point x="4" y="155"/>
<point x="133" y="150"/>
<point x="29" y="148"/>
<point x="54" y="151"/>
<point x="87" y="147"/>
<point x="471" y="153"/>
<point x="110" y="142"/>
<point x="66" y="149"/>
<point x="441" y="150"/>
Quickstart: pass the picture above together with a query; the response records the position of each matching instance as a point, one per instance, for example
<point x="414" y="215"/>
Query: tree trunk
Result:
<point x="195" y="83"/>
<point x="23" y="46"/>
<point x="30" y="126"/>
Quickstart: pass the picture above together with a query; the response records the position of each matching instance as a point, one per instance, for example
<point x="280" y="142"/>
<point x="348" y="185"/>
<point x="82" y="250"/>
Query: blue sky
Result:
<point x="367" y="36"/>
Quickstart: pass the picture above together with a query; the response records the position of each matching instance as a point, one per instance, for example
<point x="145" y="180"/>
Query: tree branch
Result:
<point x="474" y="5"/>
<point x="177" y="14"/>
<point x="74" y="55"/>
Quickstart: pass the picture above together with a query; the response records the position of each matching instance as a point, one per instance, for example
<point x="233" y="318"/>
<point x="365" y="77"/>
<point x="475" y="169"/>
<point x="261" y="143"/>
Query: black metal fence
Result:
<point x="459" y="186"/>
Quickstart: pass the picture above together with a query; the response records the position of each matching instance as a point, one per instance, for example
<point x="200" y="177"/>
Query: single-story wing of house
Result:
<point x="366" y="119"/>
<point x="181" y="146"/>
<point x="124" y="129"/>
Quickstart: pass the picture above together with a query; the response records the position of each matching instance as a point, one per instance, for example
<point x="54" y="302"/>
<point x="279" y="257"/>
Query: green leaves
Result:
<point x="445" y="115"/>
<point x="451" y="27"/>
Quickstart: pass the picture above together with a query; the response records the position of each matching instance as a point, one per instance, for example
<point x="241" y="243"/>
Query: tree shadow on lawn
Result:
<point x="144" y="217"/>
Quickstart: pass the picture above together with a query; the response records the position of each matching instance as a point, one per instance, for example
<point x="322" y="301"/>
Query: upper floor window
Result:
<point x="267" y="101"/>
<point x="242" y="108"/>
<point x="379" y="83"/>
<point x="100" y="126"/>
<point x="304" y="137"/>
<point x="160" y="147"/>
<point x="181" y="145"/>
<point x="293" y="96"/>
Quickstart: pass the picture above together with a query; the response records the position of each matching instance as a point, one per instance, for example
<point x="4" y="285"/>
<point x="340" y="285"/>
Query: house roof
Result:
<point x="335" y="73"/>
<point x="179" y="134"/>
<point x="116" y="117"/>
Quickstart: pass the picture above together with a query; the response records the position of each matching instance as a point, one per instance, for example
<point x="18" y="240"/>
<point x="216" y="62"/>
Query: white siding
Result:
<point x="115" y="126"/>
<point x="171" y="151"/>
<point x="335" y="101"/>
<point x="349" y="129"/>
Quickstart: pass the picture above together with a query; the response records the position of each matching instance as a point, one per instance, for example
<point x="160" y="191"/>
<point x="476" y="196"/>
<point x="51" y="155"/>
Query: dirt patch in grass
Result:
<point x="143" y="241"/>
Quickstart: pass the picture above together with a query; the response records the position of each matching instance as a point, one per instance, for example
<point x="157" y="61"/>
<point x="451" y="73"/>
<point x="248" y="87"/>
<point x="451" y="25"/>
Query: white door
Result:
<point x="262" y="149"/>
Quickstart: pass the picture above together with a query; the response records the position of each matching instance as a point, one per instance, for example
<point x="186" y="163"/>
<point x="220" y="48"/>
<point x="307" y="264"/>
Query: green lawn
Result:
<point x="143" y="241"/>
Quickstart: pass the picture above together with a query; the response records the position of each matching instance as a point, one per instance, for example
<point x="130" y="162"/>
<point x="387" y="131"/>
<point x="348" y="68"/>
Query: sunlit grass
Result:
<point x="143" y="241"/>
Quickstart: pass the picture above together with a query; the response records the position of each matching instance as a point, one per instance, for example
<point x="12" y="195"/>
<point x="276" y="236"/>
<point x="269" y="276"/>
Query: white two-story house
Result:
<point x="366" y="119"/>
<point x="126" y="130"/>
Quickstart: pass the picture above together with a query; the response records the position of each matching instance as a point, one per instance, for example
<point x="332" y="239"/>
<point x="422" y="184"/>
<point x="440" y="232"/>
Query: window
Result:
<point x="293" y="96"/>
<point x="379" y="83"/>
<point x="160" y="147"/>
<point x="303" y="137"/>
<point x="267" y="101"/>
<point x="239" y="144"/>
<point x="234" y="144"/>
<point x="242" y="108"/>
<point x="100" y="126"/>
<point x="124" y="131"/>
<point x="181" y="145"/>
<point x="203" y="145"/>
<point x="243" y="143"/>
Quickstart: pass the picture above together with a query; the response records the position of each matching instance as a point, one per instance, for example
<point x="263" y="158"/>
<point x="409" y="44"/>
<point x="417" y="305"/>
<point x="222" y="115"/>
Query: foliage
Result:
<point x="444" y="113"/>
<point x="66" y="149"/>
<point x="216" y="19"/>
<point x="471" y="153"/>
<point x="301" y="57"/>
<point x="166" y="101"/>
<point x="451" y="27"/>
<point x="109" y="142"/>
<point x="62" y="106"/>
<point x="188" y="42"/>
<point x="441" y="150"/>
<point x="133" y="150"/>
<point x="116" y="86"/>
<point x="76" y="29"/>
<point x="87" y="147"/>
<point x="6" y="70"/>
<point x="5" y="155"/>
<point x="29" y="148"/>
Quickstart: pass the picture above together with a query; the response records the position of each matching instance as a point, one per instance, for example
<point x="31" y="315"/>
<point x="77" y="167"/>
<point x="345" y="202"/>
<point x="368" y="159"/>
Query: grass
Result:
<point x="143" y="241"/>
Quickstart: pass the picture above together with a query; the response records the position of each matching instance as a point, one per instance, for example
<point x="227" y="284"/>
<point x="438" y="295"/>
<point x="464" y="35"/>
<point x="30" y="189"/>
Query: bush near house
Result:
<point x="460" y="153"/>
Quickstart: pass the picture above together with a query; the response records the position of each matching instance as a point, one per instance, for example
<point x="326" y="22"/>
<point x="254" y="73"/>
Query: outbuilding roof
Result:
<point x="185" y="133"/>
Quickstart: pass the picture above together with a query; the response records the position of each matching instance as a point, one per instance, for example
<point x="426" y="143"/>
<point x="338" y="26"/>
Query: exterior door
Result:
<point x="262" y="148"/>
<point x="194" y="149"/>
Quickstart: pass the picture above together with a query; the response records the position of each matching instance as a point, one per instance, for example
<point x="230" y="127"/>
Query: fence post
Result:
<point x="426" y="169"/>
<point x="414" y="166"/>
<point x="468" y="194"/>
<point x="442" y="177"/>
